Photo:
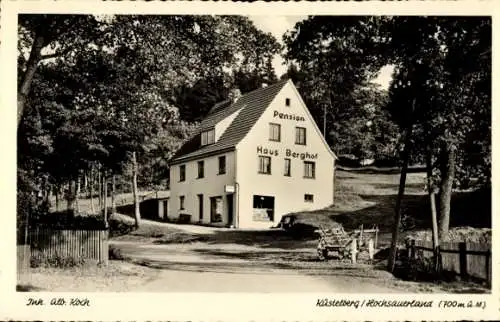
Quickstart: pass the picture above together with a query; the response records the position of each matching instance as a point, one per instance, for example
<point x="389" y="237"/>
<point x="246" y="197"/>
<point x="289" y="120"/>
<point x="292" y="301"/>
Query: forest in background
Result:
<point x="105" y="101"/>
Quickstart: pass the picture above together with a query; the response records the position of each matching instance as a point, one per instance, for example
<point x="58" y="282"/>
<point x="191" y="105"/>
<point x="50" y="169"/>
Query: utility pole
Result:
<point x="402" y="182"/>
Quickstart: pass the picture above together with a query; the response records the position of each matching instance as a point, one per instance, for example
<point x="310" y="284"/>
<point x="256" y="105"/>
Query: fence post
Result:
<point x="371" y="250"/>
<point x="462" y="247"/>
<point x="412" y="249"/>
<point x="353" y="251"/>
<point x="361" y="235"/>
<point x="487" y="261"/>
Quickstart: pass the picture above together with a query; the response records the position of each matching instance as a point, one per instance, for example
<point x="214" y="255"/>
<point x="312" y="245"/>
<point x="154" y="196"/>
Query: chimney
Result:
<point x="264" y="85"/>
<point x="234" y="94"/>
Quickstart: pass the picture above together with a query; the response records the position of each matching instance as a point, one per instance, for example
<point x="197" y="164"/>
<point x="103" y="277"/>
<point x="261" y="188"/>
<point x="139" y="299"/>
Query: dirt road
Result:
<point x="201" y="267"/>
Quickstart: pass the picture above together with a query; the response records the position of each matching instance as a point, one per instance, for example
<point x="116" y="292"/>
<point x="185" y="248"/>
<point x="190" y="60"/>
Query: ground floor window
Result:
<point x="308" y="198"/>
<point x="263" y="208"/>
<point x="216" y="208"/>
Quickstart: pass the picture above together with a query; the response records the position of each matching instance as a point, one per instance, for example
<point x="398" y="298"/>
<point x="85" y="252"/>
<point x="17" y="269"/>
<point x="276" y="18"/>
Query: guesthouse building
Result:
<point x="253" y="159"/>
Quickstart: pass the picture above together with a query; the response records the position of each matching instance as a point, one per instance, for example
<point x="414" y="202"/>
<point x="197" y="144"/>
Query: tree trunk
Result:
<point x="113" y="192"/>
<point x="57" y="197"/>
<point x="447" y="177"/>
<point x="92" y="208"/>
<point x="105" y="189"/>
<point x="29" y="74"/>
<point x="77" y="193"/>
<point x="85" y="181"/>
<point x="99" y="185"/>
<point x="71" y="196"/>
<point x="402" y="183"/>
<point x="66" y="195"/>
<point x="134" y="190"/>
<point x="397" y="214"/>
<point x="432" y="201"/>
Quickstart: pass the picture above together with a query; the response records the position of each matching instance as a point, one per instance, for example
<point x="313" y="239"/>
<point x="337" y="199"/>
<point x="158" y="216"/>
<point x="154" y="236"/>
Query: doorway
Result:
<point x="230" y="213"/>
<point x="165" y="209"/>
<point x="216" y="204"/>
<point x="200" y="207"/>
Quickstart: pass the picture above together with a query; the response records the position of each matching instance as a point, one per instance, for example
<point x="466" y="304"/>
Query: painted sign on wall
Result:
<point x="286" y="116"/>
<point x="288" y="153"/>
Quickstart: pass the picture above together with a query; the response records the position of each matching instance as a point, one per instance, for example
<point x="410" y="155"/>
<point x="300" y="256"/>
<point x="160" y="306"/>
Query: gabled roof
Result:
<point x="251" y="106"/>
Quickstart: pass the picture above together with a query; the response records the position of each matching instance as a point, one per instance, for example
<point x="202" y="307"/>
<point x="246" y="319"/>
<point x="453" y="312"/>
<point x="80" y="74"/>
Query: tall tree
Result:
<point x="60" y="35"/>
<point x="448" y="59"/>
<point x="110" y="84"/>
<point x="333" y="60"/>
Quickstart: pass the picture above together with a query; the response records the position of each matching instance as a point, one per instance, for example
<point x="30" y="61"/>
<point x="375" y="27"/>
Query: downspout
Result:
<point x="236" y="191"/>
<point x="237" y="207"/>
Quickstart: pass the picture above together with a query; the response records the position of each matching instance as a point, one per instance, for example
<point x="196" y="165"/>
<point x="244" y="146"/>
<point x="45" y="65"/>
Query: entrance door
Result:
<point x="200" y="207"/>
<point x="165" y="209"/>
<point x="216" y="209"/>
<point x="230" y="213"/>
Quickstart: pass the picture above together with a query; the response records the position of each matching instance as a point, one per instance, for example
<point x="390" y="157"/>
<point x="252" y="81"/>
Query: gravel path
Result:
<point x="199" y="267"/>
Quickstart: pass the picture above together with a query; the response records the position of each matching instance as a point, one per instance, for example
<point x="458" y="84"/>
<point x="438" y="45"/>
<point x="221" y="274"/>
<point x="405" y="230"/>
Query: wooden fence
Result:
<point x="465" y="259"/>
<point x="23" y="258"/>
<point x="78" y="244"/>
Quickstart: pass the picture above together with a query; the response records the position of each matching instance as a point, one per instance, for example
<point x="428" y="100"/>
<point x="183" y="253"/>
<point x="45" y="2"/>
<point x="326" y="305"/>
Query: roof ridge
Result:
<point x="218" y="104"/>
<point x="266" y="87"/>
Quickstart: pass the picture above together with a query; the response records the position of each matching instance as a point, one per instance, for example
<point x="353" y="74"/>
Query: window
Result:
<point x="208" y="137"/>
<point x="288" y="163"/>
<point x="308" y="198"/>
<point x="201" y="169"/>
<point x="264" y="165"/>
<point x="263" y="208"/>
<point x="309" y="169"/>
<point x="300" y="135"/>
<point x="182" y="172"/>
<point x="287" y="102"/>
<point x="222" y="164"/>
<point x="181" y="203"/>
<point x="274" y="132"/>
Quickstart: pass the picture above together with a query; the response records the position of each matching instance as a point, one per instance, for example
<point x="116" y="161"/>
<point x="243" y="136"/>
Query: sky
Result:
<point x="278" y="25"/>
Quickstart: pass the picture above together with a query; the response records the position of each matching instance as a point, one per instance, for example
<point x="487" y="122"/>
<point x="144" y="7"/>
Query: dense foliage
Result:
<point x="441" y="90"/>
<point x="107" y="99"/>
<point x="104" y="101"/>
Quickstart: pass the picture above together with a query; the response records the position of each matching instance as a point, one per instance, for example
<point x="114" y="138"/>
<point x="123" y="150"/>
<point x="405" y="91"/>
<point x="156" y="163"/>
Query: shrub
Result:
<point x="118" y="227"/>
<point x="69" y="220"/>
<point x="56" y="261"/>
<point x="115" y="253"/>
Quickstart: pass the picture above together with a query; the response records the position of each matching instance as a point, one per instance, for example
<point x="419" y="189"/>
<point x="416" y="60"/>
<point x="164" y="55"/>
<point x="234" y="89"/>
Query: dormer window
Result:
<point x="208" y="137"/>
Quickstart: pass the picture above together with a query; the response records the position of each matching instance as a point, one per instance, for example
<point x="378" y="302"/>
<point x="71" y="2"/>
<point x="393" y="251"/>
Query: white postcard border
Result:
<point x="214" y="306"/>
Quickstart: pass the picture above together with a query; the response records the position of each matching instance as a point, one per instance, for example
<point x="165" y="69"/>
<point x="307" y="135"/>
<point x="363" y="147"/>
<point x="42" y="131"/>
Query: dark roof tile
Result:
<point x="251" y="106"/>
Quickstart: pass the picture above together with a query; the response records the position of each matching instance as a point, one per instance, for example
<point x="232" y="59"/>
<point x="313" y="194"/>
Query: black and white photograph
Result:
<point x="242" y="153"/>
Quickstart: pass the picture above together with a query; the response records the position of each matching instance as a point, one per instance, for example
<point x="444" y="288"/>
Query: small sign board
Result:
<point x="229" y="188"/>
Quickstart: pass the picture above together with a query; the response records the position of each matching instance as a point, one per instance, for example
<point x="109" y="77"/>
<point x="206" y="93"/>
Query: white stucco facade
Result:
<point x="211" y="185"/>
<point x="249" y="198"/>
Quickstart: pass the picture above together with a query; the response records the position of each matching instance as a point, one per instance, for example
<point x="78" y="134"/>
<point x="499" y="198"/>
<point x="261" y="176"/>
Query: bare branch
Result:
<point x="56" y="54"/>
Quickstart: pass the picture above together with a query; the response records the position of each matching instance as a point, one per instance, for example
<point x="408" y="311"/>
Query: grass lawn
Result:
<point x="117" y="276"/>
<point x="369" y="198"/>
